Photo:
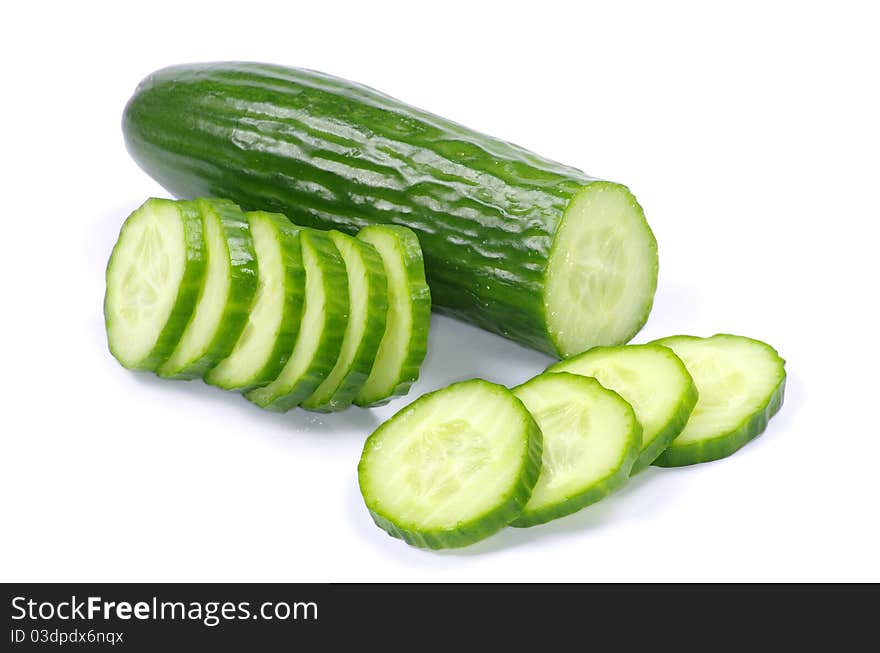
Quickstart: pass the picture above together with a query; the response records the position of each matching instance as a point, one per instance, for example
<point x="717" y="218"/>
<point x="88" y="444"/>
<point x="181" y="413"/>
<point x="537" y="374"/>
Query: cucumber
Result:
<point x="453" y="467"/>
<point x="368" y="308"/>
<point x="226" y="294"/>
<point x="405" y="341"/>
<point x="324" y="319"/>
<point x="515" y="243"/>
<point x="652" y="379"/>
<point x="741" y="383"/>
<point x="275" y="313"/>
<point x="153" y="280"/>
<point x="591" y="440"/>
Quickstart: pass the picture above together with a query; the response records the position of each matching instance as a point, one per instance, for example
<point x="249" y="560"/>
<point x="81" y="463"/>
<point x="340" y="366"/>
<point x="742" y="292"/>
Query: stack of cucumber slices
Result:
<point x="460" y="463"/>
<point x="287" y="315"/>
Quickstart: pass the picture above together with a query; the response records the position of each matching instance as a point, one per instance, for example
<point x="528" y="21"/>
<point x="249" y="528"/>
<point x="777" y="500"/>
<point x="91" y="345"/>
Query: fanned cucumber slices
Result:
<point x="741" y="383"/>
<point x="652" y="379"/>
<point x="453" y="467"/>
<point x="591" y="440"/>
<point x="251" y="302"/>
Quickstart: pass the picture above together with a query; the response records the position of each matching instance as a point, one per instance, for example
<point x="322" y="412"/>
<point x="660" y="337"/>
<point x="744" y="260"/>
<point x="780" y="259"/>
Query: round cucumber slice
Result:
<point x="153" y="279"/>
<point x="321" y="333"/>
<point x="453" y="467"/>
<point x="273" y="321"/>
<point x="652" y="379"/>
<point x="368" y="308"/>
<point x="591" y="440"/>
<point x="226" y="294"/>
<point x="602" y="270"/>
<point x="741" y="383"/>
<point x="405" y="340"/>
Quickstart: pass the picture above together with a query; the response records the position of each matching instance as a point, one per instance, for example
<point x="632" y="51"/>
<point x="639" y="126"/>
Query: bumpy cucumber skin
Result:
<point x="728" y="443"/>
<point x="599" y="490"/>
<point x="420" y="306"/>
<point x="187" y="292"/>
<point x="294" y="293"/>
<point x="242" y="285"/>
<point x="673" y="427"/>
<point x="331" y="153"/>
<point x="335" y="283"/>
<point x="377" y="310"/>
<point x="486" y="524"/>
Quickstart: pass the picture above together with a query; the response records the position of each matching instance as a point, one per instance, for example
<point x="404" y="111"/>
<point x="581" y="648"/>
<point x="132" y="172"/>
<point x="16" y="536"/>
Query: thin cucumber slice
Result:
<point x="453" y="467"/>
<point x="368" y="308"/>
<point x="324" y="319"/>
<point x="591" y="440"/>
<point x="741" y="384"/>
<point x="652" y="379"/>
<point x="226" y="294"/>
<point x="602" y="270"/>
<point x="405" y="341"/>
<point x="275" y="313"/>
<point x="153" y="280"/>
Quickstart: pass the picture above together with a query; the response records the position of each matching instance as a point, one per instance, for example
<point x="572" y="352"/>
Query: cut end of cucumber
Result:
<point x="602" y="270"/>
<point x="143" y="277"/>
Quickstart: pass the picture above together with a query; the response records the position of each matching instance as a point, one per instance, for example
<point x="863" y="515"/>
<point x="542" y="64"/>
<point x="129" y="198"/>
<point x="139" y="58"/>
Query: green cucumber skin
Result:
<point x="243" y="285"/>
<point x="330" y="153"/>
<point x="487" y="524"/>
<point x="294" y="292"/>
<point x="377" y="301"/>
<point x="187" y="292"/>
<point x="597" y="492"/>
<point x="420" y="302"/>
<point x="335" y="284"/>
<point x="727" y="443"/>
<point x="684" y="409"/>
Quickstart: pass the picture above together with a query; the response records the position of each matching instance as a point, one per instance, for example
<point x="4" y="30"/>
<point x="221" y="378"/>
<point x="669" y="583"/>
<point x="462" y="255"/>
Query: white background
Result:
<point x="749" y="134"/>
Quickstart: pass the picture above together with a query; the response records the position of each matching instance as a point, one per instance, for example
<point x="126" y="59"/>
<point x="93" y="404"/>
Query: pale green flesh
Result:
<point x="735" y="377"/>
<point x="143" y="278"/>
<point x="394" y="347"/>
<point x="446" y="461"/>
<point x="602" y="271"/>
<point x="309" y="336"/>
<point x="648" y="377"/>
<point x="357" y="320"/>
<point x="257" y="339"/>
<point x="209" y="309"/>
<point x="588" y="436"/>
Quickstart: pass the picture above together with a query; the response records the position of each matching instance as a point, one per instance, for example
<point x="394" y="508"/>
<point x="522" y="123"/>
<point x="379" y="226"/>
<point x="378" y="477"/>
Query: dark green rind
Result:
<point x="377" y="303"/>
<point x="294" y="293"/>
<point x="420" y="306"/>
<point x="187" y="292"/>
<point x="242" y="285"/>
<point x="728" y="443"/>
<point x="335" y="154"/>
<point x="676" y="423"/>
<point x="596" y="491"/>
<point x="335" y="284"/>
<point x="483" y="525"/>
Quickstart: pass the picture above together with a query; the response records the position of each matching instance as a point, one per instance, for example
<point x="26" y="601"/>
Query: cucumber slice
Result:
<point x="273" y="321"/>
<point x="652" y="379"/>
<point x="405" y="341"/>
<point x="323" y="326"/>
<point x="226" y="295"/>
<point x="601" y="272"/>
<point x="591" y="440"/>
<point x="741" y="384"/>
<point x="453" y="467"/>
<point x="153" y="280"/>
<point x="368" y="308"/>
